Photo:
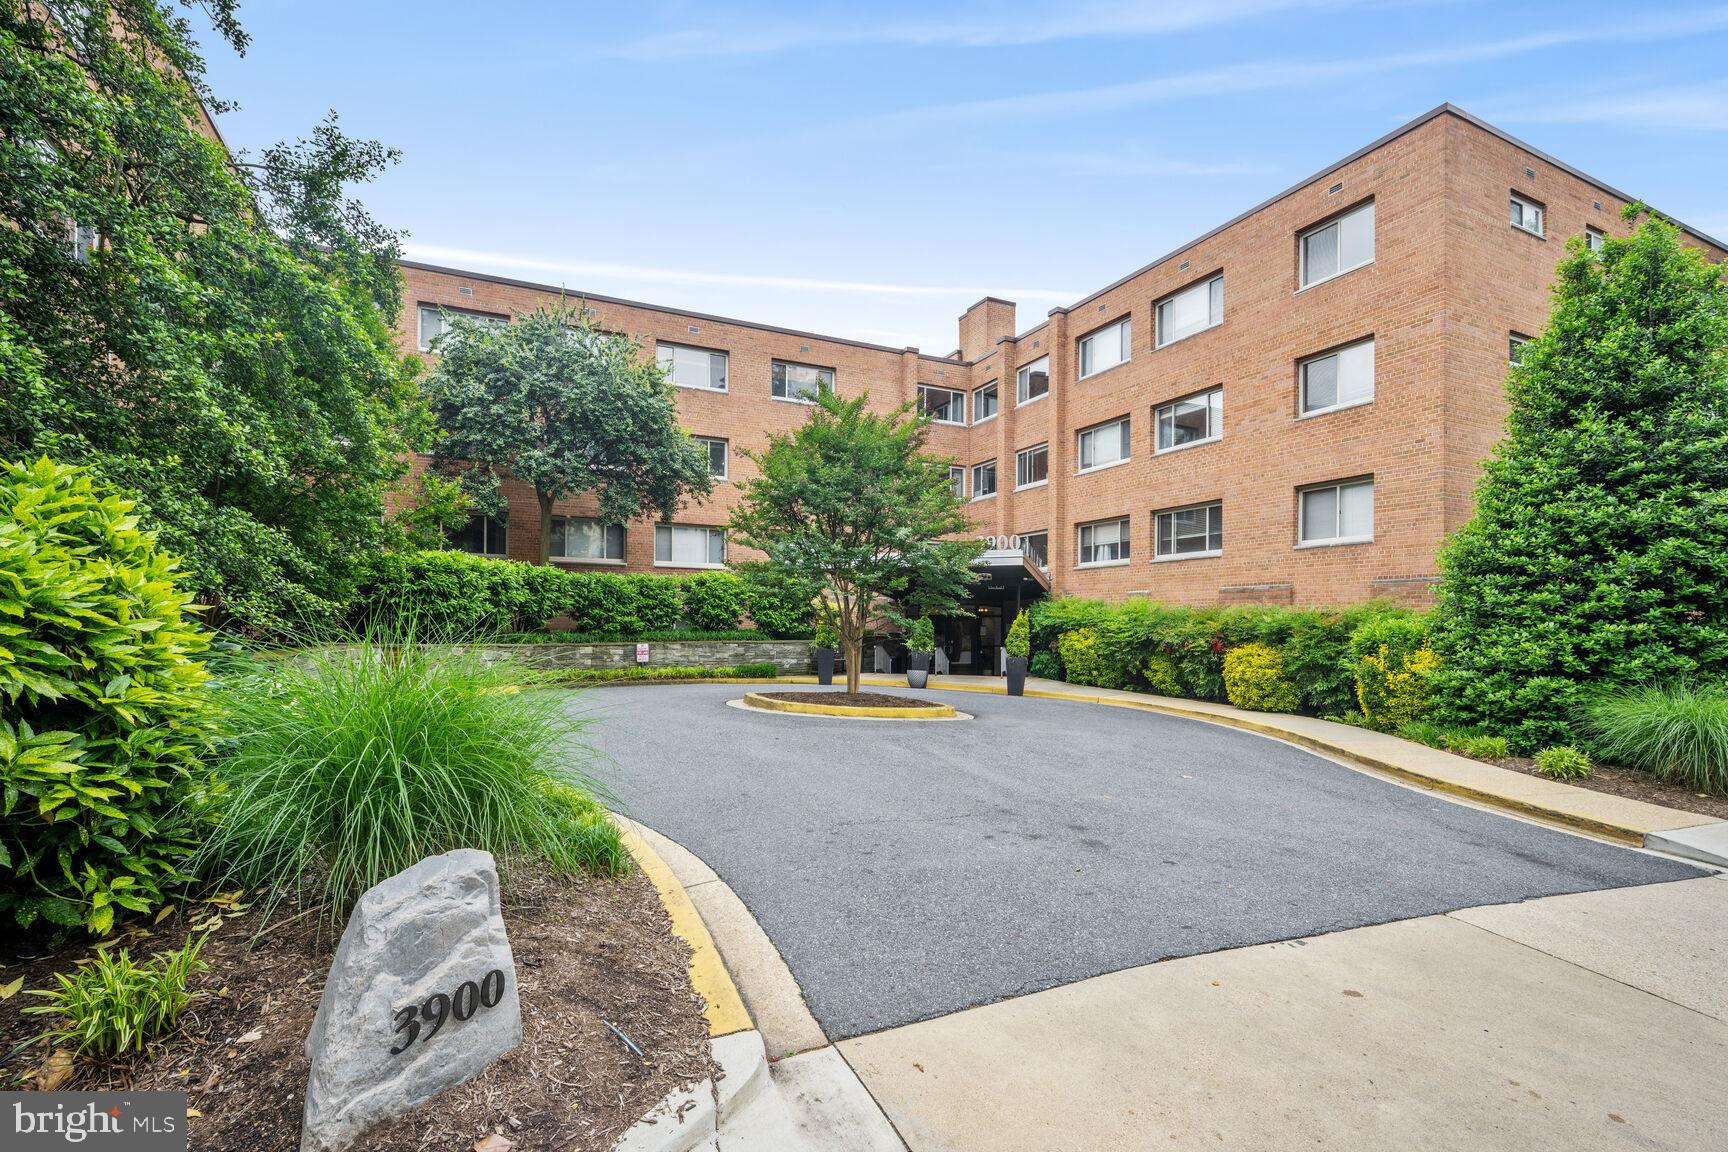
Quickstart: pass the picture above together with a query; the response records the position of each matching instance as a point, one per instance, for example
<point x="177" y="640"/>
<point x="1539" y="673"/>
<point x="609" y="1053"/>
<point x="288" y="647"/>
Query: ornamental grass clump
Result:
<point x="1563" y="762"/>
<point x="1673" y="731"/>
<point x="112" y="1005"/>
<point x="349" y="763"/>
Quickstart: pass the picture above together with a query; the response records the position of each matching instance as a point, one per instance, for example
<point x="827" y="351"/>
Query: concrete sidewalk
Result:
<point x="1599" y="813"/>
<point x="1586" y="1021"/>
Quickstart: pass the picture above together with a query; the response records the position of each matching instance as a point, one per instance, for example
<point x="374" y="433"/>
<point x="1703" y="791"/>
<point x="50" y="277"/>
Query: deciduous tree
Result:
<point x="851" y="504"/>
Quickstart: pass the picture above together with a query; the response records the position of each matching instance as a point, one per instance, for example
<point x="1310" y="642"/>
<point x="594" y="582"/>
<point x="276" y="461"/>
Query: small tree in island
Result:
<point x="565" y="408"/>
<point x="852" y="504"/>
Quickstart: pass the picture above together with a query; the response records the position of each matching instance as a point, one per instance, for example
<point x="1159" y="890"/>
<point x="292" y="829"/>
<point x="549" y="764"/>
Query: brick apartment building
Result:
<point x="1291" y="408"/>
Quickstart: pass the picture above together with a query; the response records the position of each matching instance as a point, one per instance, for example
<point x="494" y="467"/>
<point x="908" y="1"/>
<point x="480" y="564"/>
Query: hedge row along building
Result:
<point x="1290" y="409"/>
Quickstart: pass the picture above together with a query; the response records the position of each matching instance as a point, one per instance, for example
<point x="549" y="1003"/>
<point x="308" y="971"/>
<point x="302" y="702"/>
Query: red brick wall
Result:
<point x="1449" y="281"/>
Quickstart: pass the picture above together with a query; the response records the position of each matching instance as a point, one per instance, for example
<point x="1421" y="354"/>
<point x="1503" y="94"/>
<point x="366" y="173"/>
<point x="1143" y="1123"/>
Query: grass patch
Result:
<point x="354" y="762"/>
<point x="111" y="1006"/>
<point x="1674" y="732"/>
<point x="609" y="675"/>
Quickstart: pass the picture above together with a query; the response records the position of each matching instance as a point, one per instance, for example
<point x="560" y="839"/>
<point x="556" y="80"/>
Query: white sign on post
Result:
<point x="421" y="997"/>
<point x="641" y="653"/>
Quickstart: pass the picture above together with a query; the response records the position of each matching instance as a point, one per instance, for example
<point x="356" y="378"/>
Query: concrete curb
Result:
<point x="725" y="1010"/>
<point x="771" y="704"/>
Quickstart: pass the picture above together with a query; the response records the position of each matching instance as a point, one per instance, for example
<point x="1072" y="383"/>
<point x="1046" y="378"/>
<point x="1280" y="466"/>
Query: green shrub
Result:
<point x="921" y="636"/>
<point x="779" y="607"/>
<point x="1019" y="641"/>
<point x="111" y="1006"/>
<point x="1083" y="659"/>
<point x="1675" y="732"/>
<point x="1563" y="762"/>
<point x="1046" y="665"/>
<point x="1254" y="679"/>
<point x="351" y="763"/>
<point x="826" y="635"/>
<point x="1598" y="553"/>
<point x="1485" y="747"/>
<point x="675" y="634"/>
<point x="107" y="714"/>
<point x="1161" y="676"/>
<point x="460" y="596"/>
<point x="762" y="671"/>
<point x="659" y="603"/>
<point x="713" y="601"/>
<point x="603" y="604"/>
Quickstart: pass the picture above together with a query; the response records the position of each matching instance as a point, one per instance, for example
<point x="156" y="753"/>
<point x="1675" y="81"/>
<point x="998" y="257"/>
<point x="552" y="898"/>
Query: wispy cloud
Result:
<point x="1688" y="108"/>
<point x="979" y="26"/>
<point x="470" y="258"/>
<point x="1270" y="75"/>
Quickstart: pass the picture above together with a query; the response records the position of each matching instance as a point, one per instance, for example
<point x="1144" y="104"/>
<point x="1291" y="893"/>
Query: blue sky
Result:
<point x="871" y="170"/>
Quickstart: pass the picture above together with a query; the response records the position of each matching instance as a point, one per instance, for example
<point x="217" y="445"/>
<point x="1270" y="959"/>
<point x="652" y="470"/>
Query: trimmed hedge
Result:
<point x="1179" y="651"/>
<point x="763" y="671"/>
<point x="1254" y="679"/>
<point x="457" y="596"/>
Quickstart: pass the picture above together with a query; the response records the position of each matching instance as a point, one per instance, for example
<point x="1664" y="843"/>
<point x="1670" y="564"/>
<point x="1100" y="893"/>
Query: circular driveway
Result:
<point x="910" y="870"/>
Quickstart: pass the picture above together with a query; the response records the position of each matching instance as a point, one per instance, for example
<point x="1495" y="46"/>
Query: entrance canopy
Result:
<point x="1007" y="578"/>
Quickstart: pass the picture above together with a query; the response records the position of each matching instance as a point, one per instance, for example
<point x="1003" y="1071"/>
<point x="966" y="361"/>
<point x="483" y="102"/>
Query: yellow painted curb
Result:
<point x="768" y="703"/>
<point x="725" y="1010"/>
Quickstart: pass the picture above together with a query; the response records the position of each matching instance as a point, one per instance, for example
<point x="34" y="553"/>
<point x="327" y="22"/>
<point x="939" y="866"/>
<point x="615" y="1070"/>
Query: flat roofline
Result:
<point x="1403" y="130"/>
<point x="470" y="274"/>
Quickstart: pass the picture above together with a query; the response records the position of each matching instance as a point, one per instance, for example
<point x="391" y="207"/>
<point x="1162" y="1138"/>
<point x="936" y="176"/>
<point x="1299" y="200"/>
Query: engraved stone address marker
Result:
<point x="421" y="996"/>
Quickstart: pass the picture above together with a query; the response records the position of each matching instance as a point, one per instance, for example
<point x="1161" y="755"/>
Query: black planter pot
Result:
<point x="1017" y="676"/>
<point x="917" y="669"/>
<point x="824" y="665"/>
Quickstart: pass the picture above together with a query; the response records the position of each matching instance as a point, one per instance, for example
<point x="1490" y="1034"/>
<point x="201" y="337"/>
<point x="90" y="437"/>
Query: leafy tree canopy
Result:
<point x="565" y="408"/>
<point x="1599" y="548"/>
<point x="851" y="504"/>
<point x="210" y="333"/>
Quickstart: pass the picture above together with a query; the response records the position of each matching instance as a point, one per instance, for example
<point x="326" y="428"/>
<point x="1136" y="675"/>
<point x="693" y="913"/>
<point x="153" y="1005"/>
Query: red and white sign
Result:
<point x="641" y="653"/>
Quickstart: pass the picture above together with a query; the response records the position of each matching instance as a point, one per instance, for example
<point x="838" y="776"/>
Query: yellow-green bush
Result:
<point x="1395" y="688"/>
<point x="1162" y="675"/>
<point x="1083" y="659"/>
<point x="1254" y="679"/>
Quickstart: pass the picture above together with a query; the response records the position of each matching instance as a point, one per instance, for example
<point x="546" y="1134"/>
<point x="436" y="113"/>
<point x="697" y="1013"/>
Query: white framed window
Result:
<point x="1032" y="381"/>
<point x="942" y="405"/>
<point x="716" y="449"/>
<point x="586" y="539"/>
<point x="1104" y="445"/>
<point x="1594" y="238"/>
<point x="1103" y="542"/>
<point x="1107" y="347"/>
<point x="983" y="479"/>
<point x="692" y="367"/>
<point x="1515" y="345"/>
<point x="483" y="536"/>
<point x="1190" y="311"/>
<point x="1197" y="419"/>
<point x="1340" y="513"/>
<point x="984" y="403"/>
<point x="800" y="382"/>
<point x="1341" y="379"/>
<point x="435" y="321"/>
<point x="1340" y="245"/>
<point x="83" y="239"/>
<point x="1032" y="466"/>
<point x="1036" y="545"/>
<point x="689" y="546"/>
<point x="1526" y="215"/>
<point x="1188" y="533"/>
<point x="957" y="481"/>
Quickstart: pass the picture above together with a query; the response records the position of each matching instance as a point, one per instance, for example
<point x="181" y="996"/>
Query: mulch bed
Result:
<point x="587" y="951"/>
<point x="851" y="699"/>
<point x="1633" y="785"/>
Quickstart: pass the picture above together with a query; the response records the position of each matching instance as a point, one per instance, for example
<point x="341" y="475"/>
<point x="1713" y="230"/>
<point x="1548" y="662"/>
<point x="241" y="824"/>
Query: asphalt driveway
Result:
<point x="908" y="870"/>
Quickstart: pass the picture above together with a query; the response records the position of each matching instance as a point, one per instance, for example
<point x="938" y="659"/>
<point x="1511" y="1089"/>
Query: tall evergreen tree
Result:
<point x="1598" y="553"/>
